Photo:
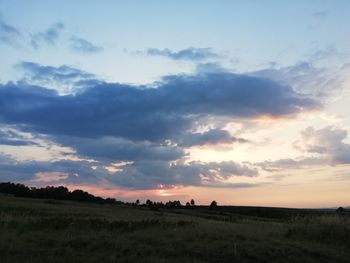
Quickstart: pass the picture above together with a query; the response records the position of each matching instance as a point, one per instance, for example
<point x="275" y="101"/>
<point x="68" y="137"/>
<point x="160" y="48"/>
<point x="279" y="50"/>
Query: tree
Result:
<point x="52" y="192"/>
<point x="192" y="202"/>
<point x="340" y="210"/>
<point x="213" y="204"/>
<point x="188" y="204"/>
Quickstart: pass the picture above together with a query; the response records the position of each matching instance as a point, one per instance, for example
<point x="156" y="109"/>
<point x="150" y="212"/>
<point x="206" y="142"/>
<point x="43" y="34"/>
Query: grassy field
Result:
<point x="33" y="230"/>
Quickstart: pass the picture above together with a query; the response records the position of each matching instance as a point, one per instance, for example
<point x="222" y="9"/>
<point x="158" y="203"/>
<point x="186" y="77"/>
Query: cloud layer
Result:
<point x="142" y="113"/>
<point x="147" y="128"/>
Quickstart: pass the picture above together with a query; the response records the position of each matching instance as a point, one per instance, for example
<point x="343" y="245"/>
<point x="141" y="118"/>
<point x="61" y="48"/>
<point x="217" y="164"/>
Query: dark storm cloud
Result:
<point x="84" y="46"/>
<point x="47" y="37"/>
<point x="139" y="113"/>
<point x="191" y="53"/>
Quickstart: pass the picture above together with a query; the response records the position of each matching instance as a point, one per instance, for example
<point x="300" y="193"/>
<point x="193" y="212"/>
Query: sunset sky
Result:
<point x="244" y="102"/>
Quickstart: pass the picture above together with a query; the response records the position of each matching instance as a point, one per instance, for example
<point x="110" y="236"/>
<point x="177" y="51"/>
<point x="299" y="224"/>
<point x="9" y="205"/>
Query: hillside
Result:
<point x="34" y="230"/>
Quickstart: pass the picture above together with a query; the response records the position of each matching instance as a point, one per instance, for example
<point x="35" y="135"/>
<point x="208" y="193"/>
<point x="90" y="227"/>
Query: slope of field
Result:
<point x="33" y="230"/>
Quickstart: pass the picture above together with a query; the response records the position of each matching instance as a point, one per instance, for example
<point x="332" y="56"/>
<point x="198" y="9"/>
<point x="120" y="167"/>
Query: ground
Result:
<point x="36" y="230"/>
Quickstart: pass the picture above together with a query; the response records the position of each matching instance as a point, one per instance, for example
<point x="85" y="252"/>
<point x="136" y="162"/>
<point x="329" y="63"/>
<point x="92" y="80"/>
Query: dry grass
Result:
<point x="59" y="231"/>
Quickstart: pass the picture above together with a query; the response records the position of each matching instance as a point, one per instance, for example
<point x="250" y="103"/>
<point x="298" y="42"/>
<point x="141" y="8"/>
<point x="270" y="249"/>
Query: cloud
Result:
<point x="143" y="174"/>
<point x="321" y="15"/>
<point x="305" y="77"/>
<point x="49" y="177"/>
<point x="290" y="163"/>
<point x="141" y="113"/>
<point x="48" y="37"/>
<point x="324" y="53"/>
<point x="4" y="141"/>
<point x="83" y="46"/>
<point x="64" y="78"/>
<point x="153" y="174"/>
<point x="323" y="147"/>
<point x="11" y="138"/>
<point x="13" y="36"/>
<point x="148" y="128"/>
<point x="119" y="149"/>
<point x="25" y="171"/>
<point x="326" y="142"/>
<point x="210" y="137"/>
<point x="9" y="34"/>
<point x="191" y="53"/>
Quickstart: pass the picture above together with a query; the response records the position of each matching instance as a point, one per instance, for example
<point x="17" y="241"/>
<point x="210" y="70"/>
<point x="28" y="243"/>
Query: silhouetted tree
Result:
<point x="213" y="204"/>
<point x="192" y="202"/>
<point x="110" y="200"/>
<point x="188" y="204"/>
<point x="340" y="210"/>
<point x="51" y="192"/>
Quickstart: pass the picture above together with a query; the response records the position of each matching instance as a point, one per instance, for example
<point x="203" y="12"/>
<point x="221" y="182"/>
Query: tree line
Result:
<point x="62" y="193"/>
<point x="52" y="192"/>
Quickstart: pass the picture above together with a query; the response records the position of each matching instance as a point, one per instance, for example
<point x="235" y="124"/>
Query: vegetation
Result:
<point x="62" y="230"/>
<point x="51" y="192"/>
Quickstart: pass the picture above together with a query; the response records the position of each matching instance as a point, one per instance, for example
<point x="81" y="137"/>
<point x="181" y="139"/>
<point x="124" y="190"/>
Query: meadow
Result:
<point x="44" y="230"/>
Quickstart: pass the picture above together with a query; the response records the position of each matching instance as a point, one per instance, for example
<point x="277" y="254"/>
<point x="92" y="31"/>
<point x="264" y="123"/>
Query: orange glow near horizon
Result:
<point x="321" y="194"/>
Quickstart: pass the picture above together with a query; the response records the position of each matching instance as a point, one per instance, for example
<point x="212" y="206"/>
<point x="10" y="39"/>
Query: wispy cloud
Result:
<point x="305" y="77"/>
<point x="322" y="147"/>
<point x="63" y="78"/>
<point x="326" y="142"/>
<point x="9" y="34"/>
<point x="48" y="37"/>
<point x="84" y="46"/>
<point x="324" y="53"/>
<point x="321" y="14"/>
<point x="16" y="37"/>
<point x="210" y="137"/>
<point x="192" y="54"/>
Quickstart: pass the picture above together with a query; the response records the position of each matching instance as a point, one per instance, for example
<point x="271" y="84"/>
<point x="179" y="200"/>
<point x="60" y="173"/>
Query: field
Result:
<point x="36" y="230"/>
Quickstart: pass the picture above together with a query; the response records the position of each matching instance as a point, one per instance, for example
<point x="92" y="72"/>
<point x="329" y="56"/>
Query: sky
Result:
<point x="242" y="102"/>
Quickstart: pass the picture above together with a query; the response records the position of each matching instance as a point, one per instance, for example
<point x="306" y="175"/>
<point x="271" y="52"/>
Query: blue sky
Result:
<point x="179" y="99"/>
<point x="250" y="33"/>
